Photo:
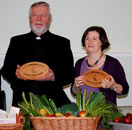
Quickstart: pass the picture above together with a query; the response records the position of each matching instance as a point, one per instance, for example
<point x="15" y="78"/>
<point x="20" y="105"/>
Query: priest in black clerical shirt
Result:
<point x="42" y="46"/>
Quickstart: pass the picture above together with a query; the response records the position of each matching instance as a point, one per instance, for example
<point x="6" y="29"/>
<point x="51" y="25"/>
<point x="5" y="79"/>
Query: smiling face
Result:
<point x="40" y="19"/>
<point x="92" y="42"/>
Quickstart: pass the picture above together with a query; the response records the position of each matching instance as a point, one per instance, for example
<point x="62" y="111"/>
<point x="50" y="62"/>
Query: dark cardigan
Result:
<point x="113" y="67"/>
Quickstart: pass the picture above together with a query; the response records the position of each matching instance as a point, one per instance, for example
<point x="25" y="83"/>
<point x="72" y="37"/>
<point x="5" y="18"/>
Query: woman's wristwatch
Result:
<point x="75" y="89"/>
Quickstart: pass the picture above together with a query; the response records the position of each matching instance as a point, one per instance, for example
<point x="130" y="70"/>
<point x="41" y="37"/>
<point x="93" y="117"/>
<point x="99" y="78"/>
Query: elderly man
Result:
<point x="43" y="46"/>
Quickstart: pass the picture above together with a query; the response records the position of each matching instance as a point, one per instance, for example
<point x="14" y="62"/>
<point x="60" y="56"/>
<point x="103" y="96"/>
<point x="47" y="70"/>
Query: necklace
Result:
<point x="96" y="62"/>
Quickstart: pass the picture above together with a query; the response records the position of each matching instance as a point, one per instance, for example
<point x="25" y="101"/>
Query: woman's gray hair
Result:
<point x="40" y="3"/>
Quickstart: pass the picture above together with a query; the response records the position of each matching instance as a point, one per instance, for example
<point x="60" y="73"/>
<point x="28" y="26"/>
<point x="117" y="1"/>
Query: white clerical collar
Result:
<point x="38" y="38"/>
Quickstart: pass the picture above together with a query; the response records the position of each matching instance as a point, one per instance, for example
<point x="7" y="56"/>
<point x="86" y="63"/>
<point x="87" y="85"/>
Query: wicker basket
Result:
<point x="18" y="126"/>
<point x="65" y="123"/>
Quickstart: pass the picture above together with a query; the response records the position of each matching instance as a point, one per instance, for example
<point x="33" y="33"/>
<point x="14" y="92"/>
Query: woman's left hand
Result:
<point x="108" y="83"/>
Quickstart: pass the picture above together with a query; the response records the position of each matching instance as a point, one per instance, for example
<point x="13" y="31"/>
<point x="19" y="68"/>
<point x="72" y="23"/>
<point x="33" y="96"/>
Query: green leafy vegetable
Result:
<point x="84" y="100"/>
<point x="97" y="105"/>
<point x="53" y="106"/>
<point x="69" y="108"/>
<point x="79" y="101"/>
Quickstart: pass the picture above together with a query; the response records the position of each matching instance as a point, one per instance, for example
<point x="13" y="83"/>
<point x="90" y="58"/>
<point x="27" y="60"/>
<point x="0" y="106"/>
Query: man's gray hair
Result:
<point x="40" y="3"/>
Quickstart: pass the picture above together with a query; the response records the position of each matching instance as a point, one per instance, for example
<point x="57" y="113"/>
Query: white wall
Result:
<point x="70" y="19"/>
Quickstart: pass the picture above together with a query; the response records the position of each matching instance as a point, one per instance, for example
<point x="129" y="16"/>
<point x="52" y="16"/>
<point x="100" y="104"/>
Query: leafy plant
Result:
<point x="34" y="107"/>
<point x="37" y="103"/>
<point x="97" y="105"/>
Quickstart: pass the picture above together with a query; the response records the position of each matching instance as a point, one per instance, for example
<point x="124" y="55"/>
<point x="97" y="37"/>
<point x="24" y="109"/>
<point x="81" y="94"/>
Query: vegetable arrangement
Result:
<point x="38" y="105"/>
<point x="41" y="106"/>
<point x="96" y="105"/>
